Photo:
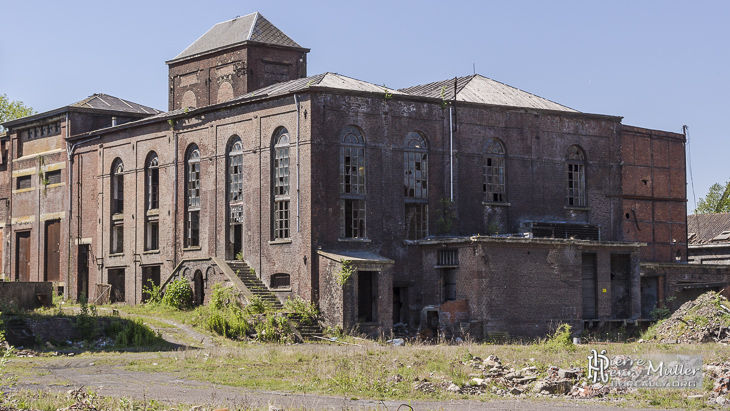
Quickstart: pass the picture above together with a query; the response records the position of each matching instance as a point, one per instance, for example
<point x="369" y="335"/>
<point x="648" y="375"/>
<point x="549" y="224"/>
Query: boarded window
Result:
<point x="53" y="177"/>
<point x="23" y="182"/>
<point x="589" y="279"/>
<point x="280" y="280"/>
<point x="448" y="258"/>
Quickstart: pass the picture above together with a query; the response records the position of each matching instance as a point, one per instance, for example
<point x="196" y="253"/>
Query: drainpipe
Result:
<point x="70" y="148"/>
<point x="296" y="103"/>
<point x="451" y="152"/>
<point x="175" y="236"/>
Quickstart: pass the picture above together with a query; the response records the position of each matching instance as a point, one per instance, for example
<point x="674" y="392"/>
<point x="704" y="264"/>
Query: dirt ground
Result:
<point x="109" y="378"/>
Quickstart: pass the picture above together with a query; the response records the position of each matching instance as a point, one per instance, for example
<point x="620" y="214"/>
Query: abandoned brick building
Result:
<point x="462" y="205"/>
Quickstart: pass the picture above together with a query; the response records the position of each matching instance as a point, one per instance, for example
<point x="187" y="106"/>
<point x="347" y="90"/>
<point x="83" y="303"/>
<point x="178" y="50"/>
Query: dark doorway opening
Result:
<point x="22" y="256"/>
<point x="589" y="280"/>
<point x="150" y="278"/>
<point x="400" y="305"/>
<point x="198" y="288"/>
<point x="82" y="282"/>
<point x="116" y="280"/>
<point x="620" y="286"/>
<point x="367" y="296"/>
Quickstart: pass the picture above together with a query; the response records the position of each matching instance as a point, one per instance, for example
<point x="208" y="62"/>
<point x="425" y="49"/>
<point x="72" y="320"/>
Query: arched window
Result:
<point x="280" y="175"/>
<point x="117" y="207"/>
<point x="352" y="183"/>
<point x="192" y="203"/>
<point x="576" y="177"/>
<point x="415" y="181"/>
<point x="235" y="198"/>
<point x="152" y="201"/>
<point x="494" y="181"/>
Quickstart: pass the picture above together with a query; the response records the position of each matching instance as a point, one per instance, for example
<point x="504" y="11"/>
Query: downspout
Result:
<point x="70" y="148"/>
<point x="451" y="152"/>
<point x="296" y="103"/>
<point x="175" y="236"/>
<point x="684" y="160"/>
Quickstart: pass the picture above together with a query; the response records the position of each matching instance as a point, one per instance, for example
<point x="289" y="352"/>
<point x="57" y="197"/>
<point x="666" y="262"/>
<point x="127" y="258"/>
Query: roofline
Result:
<point x="708" y="245"/>
<point x="234" y="45"/>
<point x="67" y="109"/>
<point x="522" y="240"/>
<point x="330" y="90"/>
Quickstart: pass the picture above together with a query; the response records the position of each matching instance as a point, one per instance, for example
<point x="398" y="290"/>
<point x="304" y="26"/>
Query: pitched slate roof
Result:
<point x="479" y="89"/>
<point x="325" y="81"/>
<point x="253" y="27"/>
<point x="107" y="102"/>
<point x="708" y="228"/>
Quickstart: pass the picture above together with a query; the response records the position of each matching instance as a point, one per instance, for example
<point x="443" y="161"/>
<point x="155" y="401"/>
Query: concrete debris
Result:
<point x="705" y="319"/>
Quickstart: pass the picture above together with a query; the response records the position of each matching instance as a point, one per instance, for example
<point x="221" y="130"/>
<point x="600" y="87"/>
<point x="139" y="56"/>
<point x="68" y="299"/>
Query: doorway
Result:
<point x="22" y="256"/>
<point x="367" y="296"/>
<point x="82" y="282"/>
<point x="52" y="251"/>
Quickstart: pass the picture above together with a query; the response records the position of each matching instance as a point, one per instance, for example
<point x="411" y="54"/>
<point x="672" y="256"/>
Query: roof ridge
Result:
<point x="526" y="92"/>
<point x="255" y="22"/>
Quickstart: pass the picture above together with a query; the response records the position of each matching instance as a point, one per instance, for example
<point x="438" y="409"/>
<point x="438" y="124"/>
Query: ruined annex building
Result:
<point x="464" y="205"/>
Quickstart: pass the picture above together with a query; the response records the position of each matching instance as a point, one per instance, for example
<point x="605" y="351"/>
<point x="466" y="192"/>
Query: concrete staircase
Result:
<point x="254" y="285"/>
<point x="307" y="331"/>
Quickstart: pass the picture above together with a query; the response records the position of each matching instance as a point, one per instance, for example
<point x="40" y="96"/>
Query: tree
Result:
<point x="10" y="110"/>
<point x="717" y="200"/>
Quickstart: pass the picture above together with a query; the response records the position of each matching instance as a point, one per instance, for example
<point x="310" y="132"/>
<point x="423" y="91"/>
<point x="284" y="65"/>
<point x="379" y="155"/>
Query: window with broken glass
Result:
<point x="352" y="183"/>
<point x="494" y="181"/>
<point x="415" y="183"/>
<point x="192" y="237"/>
<point x="117" y="187"/>
<point x="576" y="179"/>
<point x="152" y="202"/>
<point x="280" y="174"/>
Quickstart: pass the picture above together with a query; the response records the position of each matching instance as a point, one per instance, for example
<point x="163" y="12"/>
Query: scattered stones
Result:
<point x="704" y="319"/>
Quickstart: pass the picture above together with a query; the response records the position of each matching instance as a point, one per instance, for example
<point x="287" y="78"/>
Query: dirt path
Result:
<point x="107" y="376"/>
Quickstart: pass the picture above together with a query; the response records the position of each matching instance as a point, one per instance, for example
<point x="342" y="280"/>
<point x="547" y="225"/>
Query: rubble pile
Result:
<point x="719" y="373"/>
<point x="705" y="319"/>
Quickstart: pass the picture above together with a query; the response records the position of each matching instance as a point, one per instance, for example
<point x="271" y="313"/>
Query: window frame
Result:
<point x="415" y="185"/>
<point x="192" y="196"/>
<point x="281" y="185"/>
<point x="575" y="160"/>
<point x="495" y="176"/>
<point x="353" y="184"/>
<point x="117" y="187"/>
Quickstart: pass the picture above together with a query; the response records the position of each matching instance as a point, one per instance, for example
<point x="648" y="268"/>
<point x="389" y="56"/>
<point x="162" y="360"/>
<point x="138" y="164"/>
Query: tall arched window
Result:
<point x="352" y="183"/>
<point x="494" y="181"/>
<point x="415" y="182"/>
<point x="152" y="202"/>
<point x="280" y="175"/>
<point x="117" y="207"/>
<point x="192" y="203"/>
<point x="235" y="196"/>
<point x="576" y="177"/>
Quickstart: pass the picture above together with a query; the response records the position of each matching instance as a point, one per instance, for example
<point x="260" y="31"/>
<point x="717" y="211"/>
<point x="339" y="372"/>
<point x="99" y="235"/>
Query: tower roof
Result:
<point x="252" y="27"/>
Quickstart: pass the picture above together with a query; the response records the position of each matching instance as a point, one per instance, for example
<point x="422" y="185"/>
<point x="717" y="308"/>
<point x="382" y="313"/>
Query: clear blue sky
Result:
<point x="659" y="64"/>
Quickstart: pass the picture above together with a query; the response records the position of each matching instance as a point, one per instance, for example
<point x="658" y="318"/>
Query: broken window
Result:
<point x="192" y="237"/>
<point x="235" y="172"/>
<point x="352" y="183"/>
<point x="117" y="187"/>
<point x="494" y="181"/>
<point x="117" y="237"/>
<point x="415" y="183"/>
<point x="280" y="174"/>
<point x="152" y="171"/>
<point x="575" y="170"/>
<point x="23" y="182"/>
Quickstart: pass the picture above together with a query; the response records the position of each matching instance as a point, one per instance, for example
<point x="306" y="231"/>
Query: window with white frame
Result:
<point x="192" y="203"/>
<point x="280" y="175"/>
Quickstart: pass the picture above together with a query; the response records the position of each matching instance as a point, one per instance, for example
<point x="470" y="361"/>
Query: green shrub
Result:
<point x="86" y="321"/>
<point x="256" y="305"/>
<point x="152" y="293"/>
<point x="306" y="311"/>
<point x="560" y="340"/>
<point x="233" y="326"/>
<point x="178" y="295"/>
<point x="223" y="297"/>
<point x="136" y="334"/>
<point x="273" y="328"/>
